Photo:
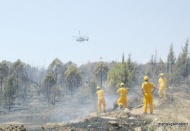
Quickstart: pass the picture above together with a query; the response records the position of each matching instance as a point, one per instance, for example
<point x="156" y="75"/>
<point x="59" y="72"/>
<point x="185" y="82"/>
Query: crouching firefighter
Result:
<point x="101" y="99"/>
<point x="123" y="91"/>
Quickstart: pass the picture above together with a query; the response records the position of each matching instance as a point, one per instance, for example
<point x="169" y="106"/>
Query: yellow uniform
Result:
<point x="148" y="99"/>
<point x="101" y="100"/>
<point x="123" y="98"/>
<point x="162" y="87"/>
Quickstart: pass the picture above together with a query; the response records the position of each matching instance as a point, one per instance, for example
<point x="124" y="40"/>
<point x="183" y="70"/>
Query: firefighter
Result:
<point x="122" y="101"/>
<point x="162" y="84"/>
<point x="147" y="89"/>
<point x="101" y="99"/>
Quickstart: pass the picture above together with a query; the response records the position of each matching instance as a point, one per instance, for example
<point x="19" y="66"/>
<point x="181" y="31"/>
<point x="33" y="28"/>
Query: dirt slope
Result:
<point x="172" y="114"/>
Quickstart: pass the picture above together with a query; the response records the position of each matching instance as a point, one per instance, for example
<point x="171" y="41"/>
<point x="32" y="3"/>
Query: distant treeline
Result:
<point x="18" y="79"/>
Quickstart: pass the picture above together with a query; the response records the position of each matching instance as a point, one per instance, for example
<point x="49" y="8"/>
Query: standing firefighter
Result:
<point x="101" y="99"/>
<point x="162" y="83"/>
<point x="122" y="101"/>
<point x="147" y="89"/>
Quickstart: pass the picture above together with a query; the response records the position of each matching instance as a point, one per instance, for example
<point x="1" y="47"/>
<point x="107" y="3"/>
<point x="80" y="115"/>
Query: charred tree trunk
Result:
<point x="1" y="84"/>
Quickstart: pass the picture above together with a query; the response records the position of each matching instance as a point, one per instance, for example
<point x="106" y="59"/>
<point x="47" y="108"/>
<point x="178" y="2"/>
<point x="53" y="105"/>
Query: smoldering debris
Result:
<point x="105" y="122"/>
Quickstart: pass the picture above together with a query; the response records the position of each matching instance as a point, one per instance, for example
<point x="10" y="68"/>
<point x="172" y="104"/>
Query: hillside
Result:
<point x="175" y="110"/>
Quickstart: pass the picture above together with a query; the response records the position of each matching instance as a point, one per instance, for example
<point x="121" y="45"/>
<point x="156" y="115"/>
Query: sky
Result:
<point x="38" y="31"/>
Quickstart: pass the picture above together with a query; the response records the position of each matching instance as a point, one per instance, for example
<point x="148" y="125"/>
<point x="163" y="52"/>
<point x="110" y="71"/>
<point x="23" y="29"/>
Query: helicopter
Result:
<point x="81" y="38"/>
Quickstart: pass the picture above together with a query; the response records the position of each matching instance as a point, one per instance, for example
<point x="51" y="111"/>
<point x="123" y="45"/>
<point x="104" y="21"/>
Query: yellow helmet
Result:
<point x="162" y="74"/>
<point x="146" y="78"/>
<point x="122" y="84"/>
<point x="98" y="88"/>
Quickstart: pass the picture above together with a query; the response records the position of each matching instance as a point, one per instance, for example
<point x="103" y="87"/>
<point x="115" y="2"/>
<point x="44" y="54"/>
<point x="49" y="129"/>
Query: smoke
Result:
<point x="39" y="112"/>
<point x="72" y="111"/>
<point x="36" y="111"/>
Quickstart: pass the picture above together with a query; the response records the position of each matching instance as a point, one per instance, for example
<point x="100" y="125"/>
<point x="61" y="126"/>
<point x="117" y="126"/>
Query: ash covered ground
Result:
<point x="81" y="115"/>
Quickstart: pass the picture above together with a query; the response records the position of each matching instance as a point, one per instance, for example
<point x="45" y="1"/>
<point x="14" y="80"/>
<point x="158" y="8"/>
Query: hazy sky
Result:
<point x="38" y="31"/>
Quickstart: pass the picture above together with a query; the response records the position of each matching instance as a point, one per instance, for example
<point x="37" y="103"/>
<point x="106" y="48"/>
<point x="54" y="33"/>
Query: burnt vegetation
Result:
<point x="17" y="78"/>
<point x="21" y="83"/>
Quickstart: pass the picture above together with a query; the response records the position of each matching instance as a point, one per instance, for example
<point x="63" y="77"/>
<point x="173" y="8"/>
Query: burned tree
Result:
<point x="49" y="83"/>
<point x="9" y="91"/>
<point x="73" y="78"/>
<point x="4" y="70"/>
<point x="101" y="71"/>
<point x="56" y="68"/>
<point x="18" y="71"/>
